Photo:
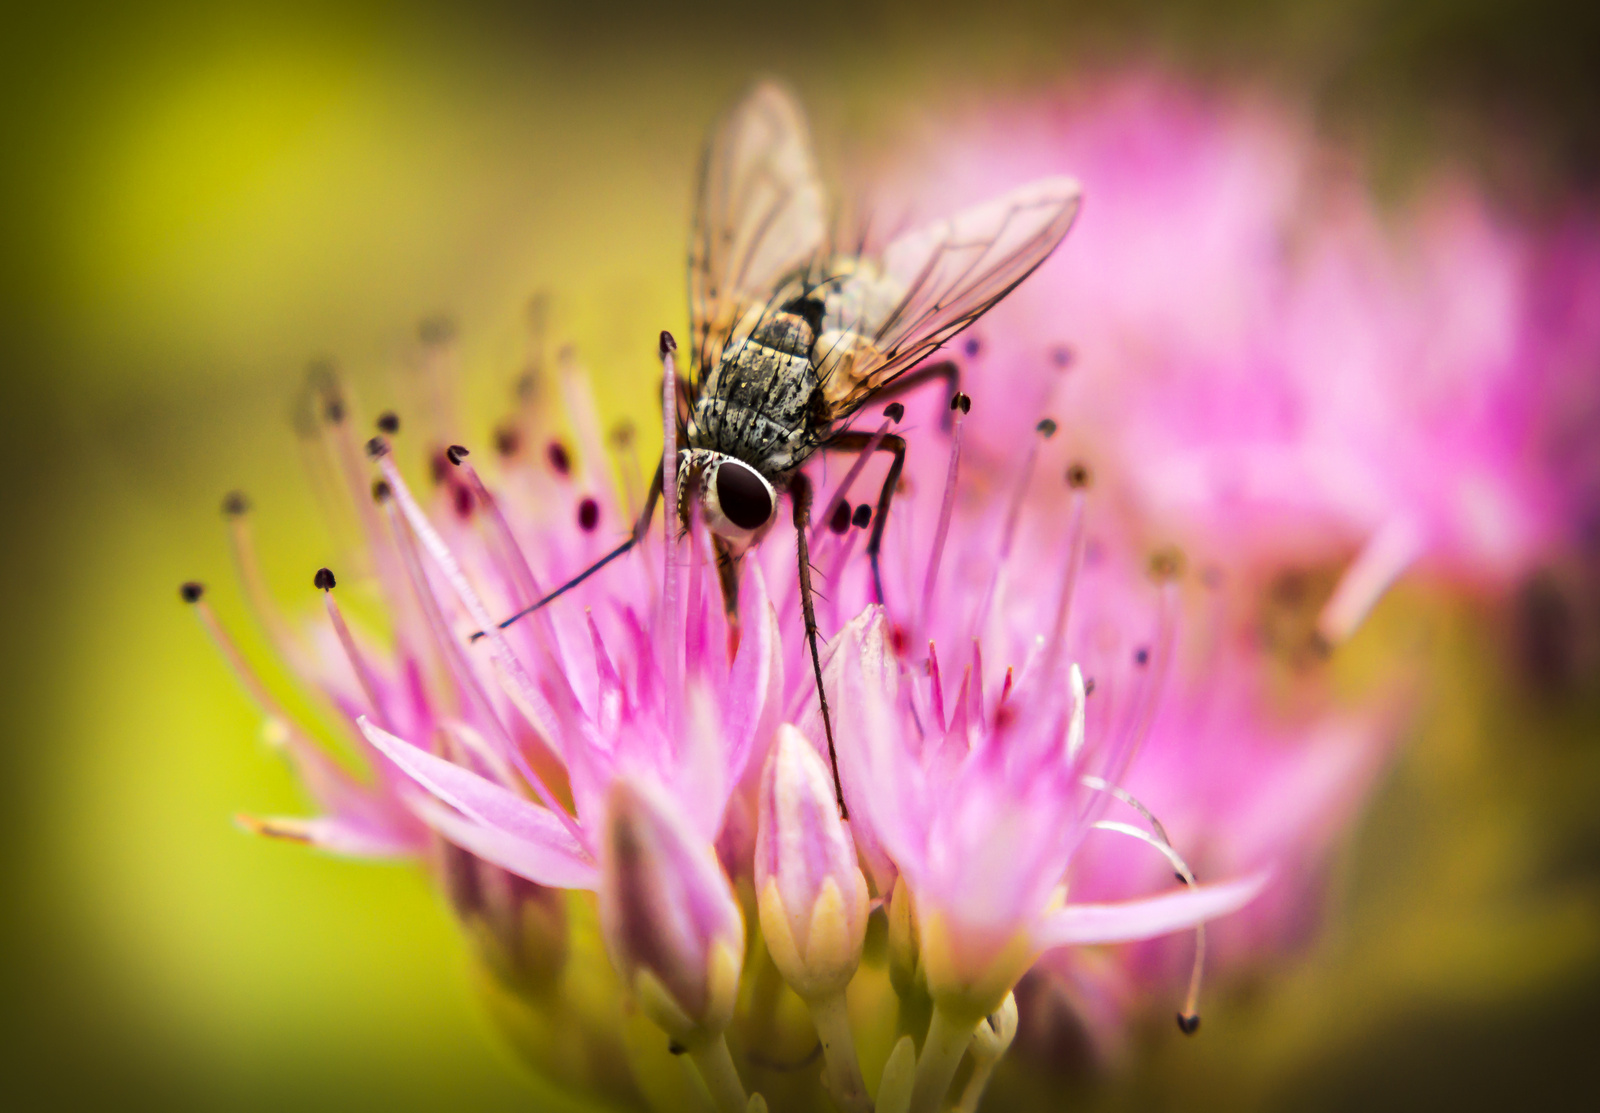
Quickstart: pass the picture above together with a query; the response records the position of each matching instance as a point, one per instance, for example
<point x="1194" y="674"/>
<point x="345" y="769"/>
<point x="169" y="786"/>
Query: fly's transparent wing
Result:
<point x="943" y="277"/>
<point x="759" y="216"/>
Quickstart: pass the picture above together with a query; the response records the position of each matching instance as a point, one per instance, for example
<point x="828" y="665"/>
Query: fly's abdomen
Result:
<point x="756" y="404"/>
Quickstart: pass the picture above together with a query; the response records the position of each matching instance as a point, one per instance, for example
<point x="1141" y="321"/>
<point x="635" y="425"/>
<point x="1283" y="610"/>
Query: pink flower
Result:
<point x="1268" y="368"/>
<point x="1312" y="395"/>
<point x="975" y="762"/>
<point x="595" y="747"/>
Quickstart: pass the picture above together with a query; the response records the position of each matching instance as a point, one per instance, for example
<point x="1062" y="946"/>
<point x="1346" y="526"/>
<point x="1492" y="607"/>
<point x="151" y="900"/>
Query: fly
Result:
<point x="791" y="337"/>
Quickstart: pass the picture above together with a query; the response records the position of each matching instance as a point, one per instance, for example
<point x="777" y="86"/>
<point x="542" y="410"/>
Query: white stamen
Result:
<point x="1191" y="1002"/>
<point x="1387" y="554"/>
<point x="1080" y="697"/>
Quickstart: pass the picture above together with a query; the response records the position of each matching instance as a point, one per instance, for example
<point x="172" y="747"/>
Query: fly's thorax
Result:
<point x="761" y="403"/>
<point x="859" y="296"/>
<point x="856" y="303"/>
<point x="845" y="358"/>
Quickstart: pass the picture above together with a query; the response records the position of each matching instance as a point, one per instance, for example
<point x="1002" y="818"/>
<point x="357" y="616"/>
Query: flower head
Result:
<point x="594" y="747"/>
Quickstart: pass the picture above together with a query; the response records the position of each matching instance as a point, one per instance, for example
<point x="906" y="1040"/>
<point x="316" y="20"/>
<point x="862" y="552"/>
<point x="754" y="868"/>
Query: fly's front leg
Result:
<point x="640" y="527"/>
<point x="856" y="441"/>
<point x="728" y="579"/>
<point x="800" y="494"/>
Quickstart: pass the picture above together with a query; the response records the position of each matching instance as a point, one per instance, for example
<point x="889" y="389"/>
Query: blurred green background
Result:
<point x="198" y="200"/>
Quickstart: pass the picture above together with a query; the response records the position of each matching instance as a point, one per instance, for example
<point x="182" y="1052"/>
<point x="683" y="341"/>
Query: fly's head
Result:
<point x="736" y="500"/>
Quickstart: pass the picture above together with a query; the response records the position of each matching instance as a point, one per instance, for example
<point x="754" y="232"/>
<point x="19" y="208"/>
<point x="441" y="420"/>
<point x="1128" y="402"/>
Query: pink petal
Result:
<point x="346" y="837"/>
<point x="755" y="683"/>
<point x="476" y="797"/>
<point x="1126" y="921"/>
<point x="554" y="861"/>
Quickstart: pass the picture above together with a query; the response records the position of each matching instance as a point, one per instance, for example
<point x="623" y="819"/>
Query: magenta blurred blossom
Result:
<point x="1269" y="366"/>
<point x="1311" y="393"/>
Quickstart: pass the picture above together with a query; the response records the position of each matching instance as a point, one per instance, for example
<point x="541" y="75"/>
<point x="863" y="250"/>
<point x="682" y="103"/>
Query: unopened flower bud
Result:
<point x="993" y="1036"/>
<point x="903" y="942"/>
<point x="812" y="895"/>
<point x="668" y="913"/>
<point x="518" y="928"/>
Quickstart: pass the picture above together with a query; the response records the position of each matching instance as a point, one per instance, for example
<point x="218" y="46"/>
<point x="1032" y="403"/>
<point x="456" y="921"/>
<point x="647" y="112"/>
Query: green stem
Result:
<point x="941" y="1054"/>
<point x="832" y="1018"/>
<point x="721" y="1078"/>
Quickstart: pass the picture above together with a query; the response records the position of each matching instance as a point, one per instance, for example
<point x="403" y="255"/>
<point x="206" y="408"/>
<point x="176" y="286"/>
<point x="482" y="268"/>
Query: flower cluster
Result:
<point x="603" y="767"/>
<point x="642" y="831"/>
<point x="1313" y="395"/>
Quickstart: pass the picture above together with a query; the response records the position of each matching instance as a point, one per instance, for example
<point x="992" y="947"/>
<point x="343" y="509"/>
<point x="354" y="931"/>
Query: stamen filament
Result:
<point x="253" y="685"/>
<point x="1382" y="560"/>
<point x="1069" y="578"/>
<point x="433" y="616"/>
<point x="329" y="784"/>
<point x="945" y="510"/>
<point x="358" y="663"/>
<point x="1008" y="535"/>
<point x="521" y="572"/>
<point x="348" y="455"/>
<point x="671" y="641"/>
<point x="278" y="631"/>
<point x="1189" y="1018"/>
<point x="841" y="555"/>
<point x="1142" y="704"/>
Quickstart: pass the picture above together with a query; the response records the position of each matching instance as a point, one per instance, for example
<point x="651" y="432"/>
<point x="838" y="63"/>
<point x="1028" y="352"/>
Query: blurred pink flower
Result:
<point x="1310" y="395"/>
<point x="1267" y="367"/>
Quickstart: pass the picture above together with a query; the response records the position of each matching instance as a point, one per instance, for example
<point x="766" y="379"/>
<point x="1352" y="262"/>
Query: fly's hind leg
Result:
<point x="945" y="369"/>
<point x="855" y="441"/>
<point x="800" y="494"/>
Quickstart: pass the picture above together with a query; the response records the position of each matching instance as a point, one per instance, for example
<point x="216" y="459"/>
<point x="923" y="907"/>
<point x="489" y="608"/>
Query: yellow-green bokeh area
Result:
<point x="199" y="200"/>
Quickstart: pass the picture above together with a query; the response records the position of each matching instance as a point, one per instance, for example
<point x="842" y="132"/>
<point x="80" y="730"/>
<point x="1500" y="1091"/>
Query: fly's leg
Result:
<point x="856" y="441"/>
<point x="640" y="528"/>
<point x="728" y="579"/>
<point x="800" y="494"/>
